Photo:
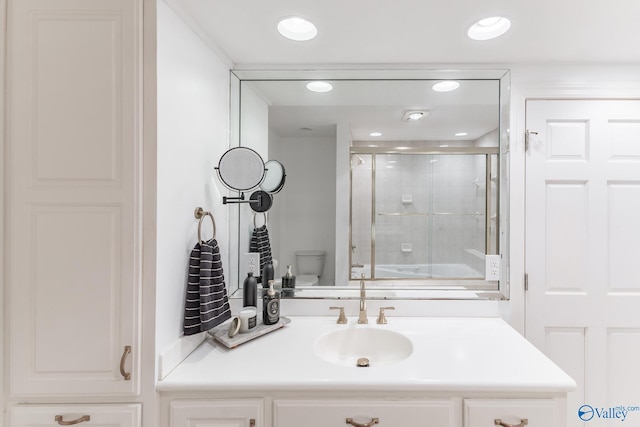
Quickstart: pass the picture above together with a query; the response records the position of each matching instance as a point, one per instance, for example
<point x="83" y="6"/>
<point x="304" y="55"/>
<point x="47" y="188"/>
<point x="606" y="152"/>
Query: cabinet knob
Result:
<point x="499" y="422"/>
<point x="369" y="424"/>
<point x="82" y="419"/>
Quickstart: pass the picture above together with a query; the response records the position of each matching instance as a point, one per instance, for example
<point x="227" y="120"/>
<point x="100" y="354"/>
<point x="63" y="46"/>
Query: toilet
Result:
<point x="309" y="267"/>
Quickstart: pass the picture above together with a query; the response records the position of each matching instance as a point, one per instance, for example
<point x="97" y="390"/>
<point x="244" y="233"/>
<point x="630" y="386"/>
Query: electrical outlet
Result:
<point x="250" y="264"/>
<point x="492" y="267"/>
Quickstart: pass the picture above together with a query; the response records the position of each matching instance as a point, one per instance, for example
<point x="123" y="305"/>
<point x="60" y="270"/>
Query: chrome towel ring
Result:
<point x="201" y="214"/>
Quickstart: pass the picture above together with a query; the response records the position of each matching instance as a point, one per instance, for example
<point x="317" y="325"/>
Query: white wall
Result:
<point x="193" y="106"/>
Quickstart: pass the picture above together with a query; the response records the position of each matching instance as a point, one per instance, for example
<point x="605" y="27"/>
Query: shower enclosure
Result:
<point x="423" y="211"/>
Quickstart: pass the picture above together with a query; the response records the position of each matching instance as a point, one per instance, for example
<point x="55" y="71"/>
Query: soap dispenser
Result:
<point x="250" y="291"/>
<point x="288" y="282"/>
<point x="271" y="305"/>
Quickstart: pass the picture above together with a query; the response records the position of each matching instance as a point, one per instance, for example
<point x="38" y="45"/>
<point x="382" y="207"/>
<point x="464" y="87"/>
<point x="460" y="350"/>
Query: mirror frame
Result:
<point x="416" y="291"/>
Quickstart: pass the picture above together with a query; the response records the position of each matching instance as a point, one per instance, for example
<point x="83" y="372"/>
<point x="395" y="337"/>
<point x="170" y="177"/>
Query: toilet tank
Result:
<point x="310" y="262"/>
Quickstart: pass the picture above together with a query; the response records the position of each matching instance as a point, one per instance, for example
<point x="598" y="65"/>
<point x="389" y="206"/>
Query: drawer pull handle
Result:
<point x="252" y="423"/>
<point x="82" y="419"/>
<point x="126" y="375"/>
<point x="499" y="422"/>
<point x="369" y="424"/>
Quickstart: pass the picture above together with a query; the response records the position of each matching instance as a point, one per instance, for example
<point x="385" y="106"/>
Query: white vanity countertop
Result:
<point x="449" y="354"/>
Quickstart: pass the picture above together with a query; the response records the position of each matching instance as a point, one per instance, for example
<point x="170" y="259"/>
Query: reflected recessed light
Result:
<point x="372" y="145"/>
<point x="444" y="145"/>
<point x="489" y="28"/>
<point x="414" y="115"/>
<point x="319" y="86"/>
<point x="403" y="148"/>
<point x="297" y="28"/>
<point x="375" y="134"/>
<point x="392" y="161"/>
<point x="445" y="86"/>
<point x="462" y="134"/>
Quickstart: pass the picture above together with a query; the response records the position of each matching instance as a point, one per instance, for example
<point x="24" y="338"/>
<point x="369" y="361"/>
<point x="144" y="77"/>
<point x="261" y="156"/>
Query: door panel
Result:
<point x="582" y="252"/>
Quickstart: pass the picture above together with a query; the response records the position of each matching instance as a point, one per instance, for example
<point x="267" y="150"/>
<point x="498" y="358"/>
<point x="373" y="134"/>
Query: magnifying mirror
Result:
<point x="274" y="177"/>
<point x="241" y="169"/>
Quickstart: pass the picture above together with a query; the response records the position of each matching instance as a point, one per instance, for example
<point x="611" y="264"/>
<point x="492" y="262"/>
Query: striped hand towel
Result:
<point x="260" y="243"/>
<point x="207" y="304"/>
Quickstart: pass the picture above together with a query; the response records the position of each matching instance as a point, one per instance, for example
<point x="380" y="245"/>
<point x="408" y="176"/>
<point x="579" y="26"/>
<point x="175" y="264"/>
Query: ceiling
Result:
<point x="413" y="32"/>
<point x="419" y="31"/>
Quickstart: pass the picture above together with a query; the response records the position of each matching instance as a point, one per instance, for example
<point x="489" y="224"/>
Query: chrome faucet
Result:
<point x="362" y="317"/>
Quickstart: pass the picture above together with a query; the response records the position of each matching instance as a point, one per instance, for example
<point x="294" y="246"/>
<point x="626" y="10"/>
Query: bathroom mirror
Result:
<point x="274" y="177"/>
<point x="387" y="177"/>
<point x="241" y="169"/>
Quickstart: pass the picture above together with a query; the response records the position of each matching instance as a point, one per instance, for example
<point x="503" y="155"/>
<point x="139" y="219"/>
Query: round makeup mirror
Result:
<point x="241" y="169"/>
<point x="274" y="177"/>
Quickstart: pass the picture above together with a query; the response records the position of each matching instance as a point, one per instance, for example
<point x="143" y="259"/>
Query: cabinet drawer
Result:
<point x="212" y="413"/>
<point x="124" y="415"/>
<point x="537" y="412"/>
<point x="334" y="413"/>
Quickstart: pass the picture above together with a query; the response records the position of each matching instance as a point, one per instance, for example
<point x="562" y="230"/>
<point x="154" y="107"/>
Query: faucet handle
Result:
<point x="342" y="319"/>
<point x="382" y="320"/>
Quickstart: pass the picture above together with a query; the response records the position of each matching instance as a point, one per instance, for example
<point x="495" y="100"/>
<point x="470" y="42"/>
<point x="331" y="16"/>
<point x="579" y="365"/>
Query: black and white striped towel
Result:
<point x="260" y="243"/>
<point x="207" y="304"/>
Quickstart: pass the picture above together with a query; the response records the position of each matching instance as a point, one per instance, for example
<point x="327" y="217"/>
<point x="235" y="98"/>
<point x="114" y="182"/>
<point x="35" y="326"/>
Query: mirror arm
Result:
<point x="240" y="199"/>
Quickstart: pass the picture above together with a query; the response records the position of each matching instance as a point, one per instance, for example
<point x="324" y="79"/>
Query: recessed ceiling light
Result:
<point x="414" y="115"/>
<point x="375" y="134"/>
<point x="445" y="86"/>
<point x="489" y="28"/>
<point x="402" y="148"/>
<point x="462" y="134"/>
<point x="372" y="145"/>
<point x="319" y="86"/>
<point x="297" y="28"/>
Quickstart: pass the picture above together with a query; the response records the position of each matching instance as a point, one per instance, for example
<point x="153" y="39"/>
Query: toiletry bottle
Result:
<point x="271" y="305"/>
<point x="250" y="291"/>
<point x="267" y="274"/>
<point x="288" y="283"/>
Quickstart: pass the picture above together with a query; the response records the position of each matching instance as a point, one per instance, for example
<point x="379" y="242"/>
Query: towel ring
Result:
<point x="254" y="219"/>
<point x="200" y="214"/>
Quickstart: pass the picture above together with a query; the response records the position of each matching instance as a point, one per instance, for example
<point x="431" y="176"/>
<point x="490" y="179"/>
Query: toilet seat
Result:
<point x="306" y="280"/>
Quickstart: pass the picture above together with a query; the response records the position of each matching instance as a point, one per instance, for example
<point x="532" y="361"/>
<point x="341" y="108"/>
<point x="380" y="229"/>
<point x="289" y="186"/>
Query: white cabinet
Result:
<point x="90" y="415"/>
<point x="512" y="412"/>
<point x="217" y="413"/>
<point x="358" y="413"/>
<point x="73" y="242"/>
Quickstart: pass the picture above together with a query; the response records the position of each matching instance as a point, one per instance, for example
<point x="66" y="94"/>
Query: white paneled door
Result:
<point x="583" y="251"/>
<point x="73" y="239"/>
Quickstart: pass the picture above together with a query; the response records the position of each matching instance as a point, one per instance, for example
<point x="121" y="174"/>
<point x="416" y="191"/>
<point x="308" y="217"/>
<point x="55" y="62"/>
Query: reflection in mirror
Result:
<point x="385" y="176"/>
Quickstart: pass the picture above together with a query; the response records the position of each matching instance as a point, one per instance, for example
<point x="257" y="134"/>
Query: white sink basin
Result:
<point x="347" y="346"/>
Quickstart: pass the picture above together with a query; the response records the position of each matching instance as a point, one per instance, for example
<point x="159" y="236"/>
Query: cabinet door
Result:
<point x="73" y="237"/>
<point x="514" y="412"/>
<point x="217" y="413"/>
<point x="329" y="413"/>
<point x="89" y="415"/>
